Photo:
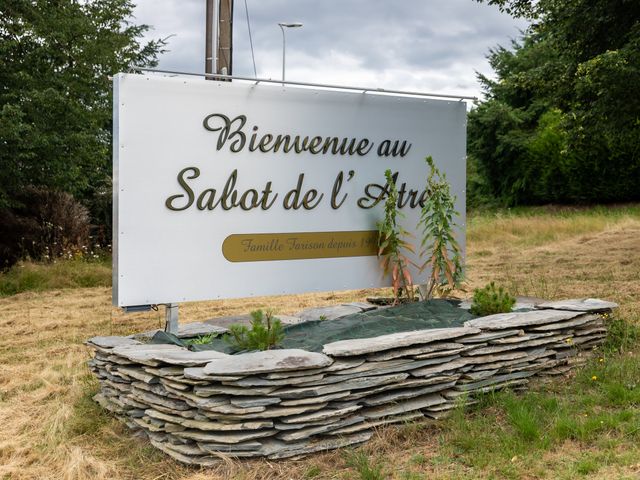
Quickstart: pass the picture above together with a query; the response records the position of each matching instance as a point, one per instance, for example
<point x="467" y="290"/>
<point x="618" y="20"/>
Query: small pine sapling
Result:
<point x="491" y="300"/>
<point x="439" y="244"/>
<point x="266" y="333"/>
<point x="391" y="242"/>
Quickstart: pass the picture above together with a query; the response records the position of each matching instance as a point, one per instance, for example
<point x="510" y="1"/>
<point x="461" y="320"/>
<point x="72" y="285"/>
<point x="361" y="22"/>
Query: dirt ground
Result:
<point x="50" y="429"/>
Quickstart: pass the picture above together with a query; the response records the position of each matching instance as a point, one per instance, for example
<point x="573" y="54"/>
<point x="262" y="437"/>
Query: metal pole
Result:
<point x="305" y="84"/>
<point x="171" y="318"/>
<point x="225" y="38"/>
<point x="208" y="47"/>
<point x="283" y="54"/>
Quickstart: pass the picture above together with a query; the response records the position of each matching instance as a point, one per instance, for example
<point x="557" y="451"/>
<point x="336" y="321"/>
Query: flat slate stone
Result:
<point x="320" y="415"/>
<point x="503" y="321"/>
<point x="139" y="374"/>
<point x="302" y="433"/>
<point x="480" y="375"/>
<point x="225" y="321"/>
<point x="145" y="353"/>
<point x="230" y="448"/>
<point x="247" y="402"/>
<point x="447" y="353"/>
<point x="493" y="349"/>
<point x="292" y="374"/>
<point x="197" y="373"/>
<point x="406" y="366"/>
<point x="188" y="358"/>
<point x="196" y="329"/>
<point x="373" y="366"/>
<point x="403" y="407"/>
<point x="186" y="414"/>
<point x="285" y="450"/>
<point x="401" y="395"/>
<point x="312" y="400"/>
<point x="254" y="381"/>
<point x="580" y="305"/>
<point x="209" y="390"/>
<point x="112" y="341"/>
<point x="576" y="322"/>
<point x="276" y="412"/>
<point x="228" y="409"/>
<point x="522" y="302"/>
<point x="363" y="306"/>
<point x="327" y="313"/>
<point x="438" y="369"/>
<point x="163" y="401"/>
<point x="489" y="336"/>
<point x="374" y="423"/>
<point x="289" y="319"/>
<point x="267" y="361"/>
<point x="297" y="426"/>
<point x="433" y="348"/>
<point x="346" y="348"/>
<point x="408" y="383"/>
<point x="224" y="437"/>
<point x="203" y="461"/>
<point x="520" y="338"/>
<point x="350" y="384"/>
<point x="465" y="387"/>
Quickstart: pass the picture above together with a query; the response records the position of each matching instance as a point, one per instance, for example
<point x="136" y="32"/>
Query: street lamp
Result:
<point x="284" y="25"/>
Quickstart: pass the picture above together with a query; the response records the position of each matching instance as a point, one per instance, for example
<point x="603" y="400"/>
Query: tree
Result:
<point x="56" y="57"/>
<point x="562" y="121"/>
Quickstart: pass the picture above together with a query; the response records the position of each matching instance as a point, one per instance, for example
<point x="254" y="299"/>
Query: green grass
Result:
<point x="364" y="466"/>
<point x="72" y="273"/>
<point x="200" y="339"/>
<point x="532" y="226"/>
<point x="599" y="409"/>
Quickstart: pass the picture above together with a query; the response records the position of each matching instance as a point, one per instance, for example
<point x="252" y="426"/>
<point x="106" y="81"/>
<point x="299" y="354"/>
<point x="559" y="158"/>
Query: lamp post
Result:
<point x="284" y="25"/>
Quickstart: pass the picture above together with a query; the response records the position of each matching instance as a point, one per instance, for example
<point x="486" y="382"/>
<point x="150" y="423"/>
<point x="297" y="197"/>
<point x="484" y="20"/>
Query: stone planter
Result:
<point x="195" y="406"/>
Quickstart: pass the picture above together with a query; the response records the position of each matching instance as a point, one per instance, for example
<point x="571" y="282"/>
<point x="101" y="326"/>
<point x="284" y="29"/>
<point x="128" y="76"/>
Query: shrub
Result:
<point x="46" y="225"/>
<point x="391" y="242"/>
<point x="266" y="333"/>
<point x="490" y="300"/>
<point x="438" y="241"/>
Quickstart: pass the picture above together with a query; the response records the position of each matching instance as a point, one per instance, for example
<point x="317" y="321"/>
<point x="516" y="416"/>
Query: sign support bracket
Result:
<point x="171" y="318"/>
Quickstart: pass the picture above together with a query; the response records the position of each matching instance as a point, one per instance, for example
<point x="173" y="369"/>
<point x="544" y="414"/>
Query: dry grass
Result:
<point x="49" y="427"/>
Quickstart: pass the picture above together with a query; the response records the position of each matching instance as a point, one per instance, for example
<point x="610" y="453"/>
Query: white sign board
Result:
<point x="228" y="189"/>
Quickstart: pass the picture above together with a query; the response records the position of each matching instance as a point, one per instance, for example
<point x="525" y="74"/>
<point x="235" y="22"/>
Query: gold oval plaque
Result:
<point x="260" y="247"/>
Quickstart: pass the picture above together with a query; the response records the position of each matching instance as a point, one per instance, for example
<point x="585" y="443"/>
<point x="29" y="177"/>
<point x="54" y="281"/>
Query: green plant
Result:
<point x="200" y="339"/>
<point x="266" y="332"/>
<point x="391" y="242"/>
<point x="490" y="300"/>
<point x="312" y="472"/>
<point x="366" y="470"/>
<point x="621" y="334"/>
<point x="438" y="240"/>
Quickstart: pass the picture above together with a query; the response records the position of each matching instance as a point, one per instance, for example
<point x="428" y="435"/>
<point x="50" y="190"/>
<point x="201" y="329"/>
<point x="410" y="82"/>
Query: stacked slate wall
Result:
<point x="287" y="403"/>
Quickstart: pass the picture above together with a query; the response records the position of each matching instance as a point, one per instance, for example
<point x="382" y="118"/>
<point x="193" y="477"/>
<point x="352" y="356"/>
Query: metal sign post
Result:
<point x="171" y="318"/>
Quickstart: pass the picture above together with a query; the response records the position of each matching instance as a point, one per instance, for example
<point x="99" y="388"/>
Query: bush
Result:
<point x="266" y="333"/>
<point x="491" y="300"/>
<point x="46" y="225"/>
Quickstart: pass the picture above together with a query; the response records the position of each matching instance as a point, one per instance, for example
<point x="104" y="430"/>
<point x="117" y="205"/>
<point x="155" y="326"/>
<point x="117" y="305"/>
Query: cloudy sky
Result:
<point x="425" y="45"/>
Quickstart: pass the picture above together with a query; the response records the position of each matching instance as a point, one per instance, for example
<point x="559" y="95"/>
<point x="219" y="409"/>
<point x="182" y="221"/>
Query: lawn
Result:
<point x="586" y="426"/>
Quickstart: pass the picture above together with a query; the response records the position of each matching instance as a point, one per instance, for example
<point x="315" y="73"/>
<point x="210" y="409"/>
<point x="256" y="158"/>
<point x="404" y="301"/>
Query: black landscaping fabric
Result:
<point x="314" y="334"/>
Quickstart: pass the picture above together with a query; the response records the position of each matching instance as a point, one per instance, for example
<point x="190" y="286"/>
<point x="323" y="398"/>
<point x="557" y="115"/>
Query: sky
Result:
<point x="434" y="46"/>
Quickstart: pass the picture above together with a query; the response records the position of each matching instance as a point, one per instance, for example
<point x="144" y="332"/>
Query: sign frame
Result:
<point x="123" y="141"/>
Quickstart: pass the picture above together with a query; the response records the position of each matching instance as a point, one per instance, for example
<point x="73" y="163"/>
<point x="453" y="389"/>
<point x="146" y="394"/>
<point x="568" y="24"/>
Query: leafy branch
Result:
<point x="391" y="243"/>
<point x="438" y="241"/>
